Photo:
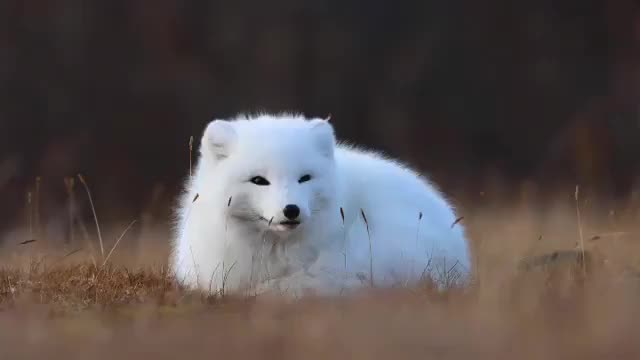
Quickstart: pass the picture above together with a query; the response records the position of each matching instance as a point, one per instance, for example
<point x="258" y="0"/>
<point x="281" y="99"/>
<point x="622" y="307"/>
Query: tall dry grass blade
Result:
<point x="366" y="222"/>
<point x="71" y="253"/>
<point x="226" y="243"/>
<point x="344" y="240"/>
<point x="225" y="276"/>
<point x="457" y="221"/>
<point x="190" y="156"/>
<point x="413" y="259"/>
<point x="577" y="196"/>
<point x="69" y="183"/>
<point x="93" y="210"/>
<point x="30" y="214"/>
<point x="118" y="242"/>
<point x="65" y="256"/>
<point x="38" y="230"/>
<point x="213" y="274"/>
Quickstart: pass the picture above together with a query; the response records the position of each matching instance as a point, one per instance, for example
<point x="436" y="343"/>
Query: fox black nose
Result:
<point x="291" y="211"/>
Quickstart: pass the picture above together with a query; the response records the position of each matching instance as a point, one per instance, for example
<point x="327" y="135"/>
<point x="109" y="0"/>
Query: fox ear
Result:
<point x="218" y="139"/>
<point x="324" y="136"/>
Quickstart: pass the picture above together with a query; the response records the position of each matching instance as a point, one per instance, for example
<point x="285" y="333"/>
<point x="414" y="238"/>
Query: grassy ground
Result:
<point x="534" y="298"/>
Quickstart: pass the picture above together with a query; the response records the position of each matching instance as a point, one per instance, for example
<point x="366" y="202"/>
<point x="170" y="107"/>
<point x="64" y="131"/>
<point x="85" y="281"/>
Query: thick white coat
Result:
<point x="230" y="238"/>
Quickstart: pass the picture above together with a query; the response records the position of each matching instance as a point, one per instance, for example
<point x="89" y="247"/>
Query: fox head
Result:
<point x="278" y="172"/>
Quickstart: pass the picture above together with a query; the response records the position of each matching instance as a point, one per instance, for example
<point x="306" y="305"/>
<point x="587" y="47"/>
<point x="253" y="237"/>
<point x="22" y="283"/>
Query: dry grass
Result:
<point x="546" y="288"/>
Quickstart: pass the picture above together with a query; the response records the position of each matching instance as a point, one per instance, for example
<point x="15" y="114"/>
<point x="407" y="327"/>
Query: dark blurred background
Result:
<point x="478" y="94"/>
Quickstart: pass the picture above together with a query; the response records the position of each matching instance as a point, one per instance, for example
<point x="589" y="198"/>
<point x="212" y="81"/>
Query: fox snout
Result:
<point x="291" y="212"/>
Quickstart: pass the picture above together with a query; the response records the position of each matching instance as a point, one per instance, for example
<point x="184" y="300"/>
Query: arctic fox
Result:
<point x="275" y="203"/>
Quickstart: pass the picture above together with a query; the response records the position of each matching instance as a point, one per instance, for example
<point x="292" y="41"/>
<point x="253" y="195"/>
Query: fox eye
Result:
<point x="260" y="181"/>
<point x="304" y="178"/>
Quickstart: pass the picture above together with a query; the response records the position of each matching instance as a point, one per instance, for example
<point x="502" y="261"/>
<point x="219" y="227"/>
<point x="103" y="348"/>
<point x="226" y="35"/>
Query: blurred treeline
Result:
<point x="470" y="91"/>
